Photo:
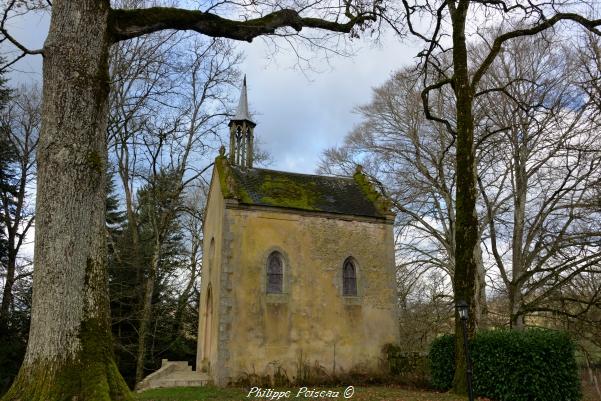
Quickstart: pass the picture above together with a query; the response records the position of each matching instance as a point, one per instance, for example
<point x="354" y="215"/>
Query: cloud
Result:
<point x="299" y="116"/>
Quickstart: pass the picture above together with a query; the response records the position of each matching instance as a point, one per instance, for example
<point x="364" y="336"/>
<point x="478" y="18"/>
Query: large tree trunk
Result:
<point x="516" y="318"/>
<point x="480" y="306"/>
<point x="467" y="249"/>
<point x="69" y="354"/>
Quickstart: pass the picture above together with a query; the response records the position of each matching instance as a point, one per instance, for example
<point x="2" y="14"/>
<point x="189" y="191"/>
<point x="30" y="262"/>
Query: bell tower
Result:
<point x="242" y="133"/>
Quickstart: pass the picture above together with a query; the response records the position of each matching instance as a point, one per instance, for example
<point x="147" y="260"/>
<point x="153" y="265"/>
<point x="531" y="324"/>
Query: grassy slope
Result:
<point x="237" y="394"/>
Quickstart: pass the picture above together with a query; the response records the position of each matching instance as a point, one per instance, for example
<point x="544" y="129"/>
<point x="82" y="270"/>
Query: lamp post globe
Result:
<point x="462" y="309"/>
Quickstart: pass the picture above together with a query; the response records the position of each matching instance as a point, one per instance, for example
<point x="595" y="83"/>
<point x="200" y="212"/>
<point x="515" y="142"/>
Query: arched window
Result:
<point x="211" y="256"/>
<point x="208" y="324"/>
<point x="349" y="278"/>
<point x="275" y="273"/>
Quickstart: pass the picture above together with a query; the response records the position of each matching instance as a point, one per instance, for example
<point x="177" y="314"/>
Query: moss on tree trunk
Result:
<point x="466" y="228"/>
<point x="92" y="376"/>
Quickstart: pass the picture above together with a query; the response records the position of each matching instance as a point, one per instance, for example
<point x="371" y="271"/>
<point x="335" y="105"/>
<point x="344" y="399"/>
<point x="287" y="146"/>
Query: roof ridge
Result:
<point x="346" y="177"/>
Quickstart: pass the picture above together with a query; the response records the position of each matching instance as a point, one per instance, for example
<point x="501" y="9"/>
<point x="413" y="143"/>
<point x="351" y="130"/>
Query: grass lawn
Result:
<point x="239" y="394"/>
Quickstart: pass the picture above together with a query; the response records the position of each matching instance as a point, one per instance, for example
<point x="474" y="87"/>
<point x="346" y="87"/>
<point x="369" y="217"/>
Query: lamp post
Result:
<point x="462" y="310"/>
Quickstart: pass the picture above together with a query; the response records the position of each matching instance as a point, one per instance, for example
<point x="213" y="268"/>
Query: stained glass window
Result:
<point x="275" y="273"/>
<point x="349" y="278"/>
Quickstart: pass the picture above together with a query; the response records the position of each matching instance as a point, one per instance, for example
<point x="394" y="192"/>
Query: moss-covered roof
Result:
<point x="262" y="187"/>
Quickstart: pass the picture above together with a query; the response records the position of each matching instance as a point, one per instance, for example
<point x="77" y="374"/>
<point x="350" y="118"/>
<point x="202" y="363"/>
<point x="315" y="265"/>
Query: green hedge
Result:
<point x="533" y="365"/>
<point x="442" y="362"/>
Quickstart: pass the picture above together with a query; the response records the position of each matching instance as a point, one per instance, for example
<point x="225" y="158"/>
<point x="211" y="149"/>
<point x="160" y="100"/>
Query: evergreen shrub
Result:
<point x="531" y="365"/>
<point x="442" y="362"/>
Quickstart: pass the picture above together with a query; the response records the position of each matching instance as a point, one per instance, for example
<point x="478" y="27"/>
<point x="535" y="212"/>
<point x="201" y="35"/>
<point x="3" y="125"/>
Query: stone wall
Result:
<point x="207" y="359"/>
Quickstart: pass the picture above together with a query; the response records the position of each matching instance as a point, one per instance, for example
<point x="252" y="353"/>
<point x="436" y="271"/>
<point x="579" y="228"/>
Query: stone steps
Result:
<point x="174" y="374"/>
<point x="179" y="383"/>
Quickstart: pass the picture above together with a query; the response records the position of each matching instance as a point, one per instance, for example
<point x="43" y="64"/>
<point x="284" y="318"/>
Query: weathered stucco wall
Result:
<point x="311" y="321"/>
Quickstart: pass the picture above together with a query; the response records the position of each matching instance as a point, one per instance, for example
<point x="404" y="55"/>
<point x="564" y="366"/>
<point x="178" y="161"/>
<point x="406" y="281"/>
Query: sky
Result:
<point x="299" y="112"/>
<point x="300" y="115"/>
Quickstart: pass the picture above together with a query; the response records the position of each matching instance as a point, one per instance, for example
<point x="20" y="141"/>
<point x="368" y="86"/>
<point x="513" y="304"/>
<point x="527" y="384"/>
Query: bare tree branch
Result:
<point x="127" y="24"/>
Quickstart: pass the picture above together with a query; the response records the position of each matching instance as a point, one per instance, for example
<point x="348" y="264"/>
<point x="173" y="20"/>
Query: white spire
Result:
<point x="242" y="113"/>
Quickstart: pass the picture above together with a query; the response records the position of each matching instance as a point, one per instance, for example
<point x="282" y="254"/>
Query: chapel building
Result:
<point x="299" y="269"/>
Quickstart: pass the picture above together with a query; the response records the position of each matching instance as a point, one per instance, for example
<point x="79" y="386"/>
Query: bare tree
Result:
<point x="425" y="304"/>
<point x="539" y="170"/>
<point x="413" y="158"/>
<point x="191" y="222"/>
<point x="21" y="122"/>
<point x="142" y="80"/>
<point x="167" y="105"/>
<point x="536" y="148"/>
<point x="588" y="69"/>
<point x="142" y="73"/>
<point x="444" y="28"/>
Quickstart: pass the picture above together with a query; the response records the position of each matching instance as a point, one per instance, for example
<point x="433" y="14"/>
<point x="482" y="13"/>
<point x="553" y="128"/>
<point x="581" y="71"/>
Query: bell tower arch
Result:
<point x="242" y="133"/>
